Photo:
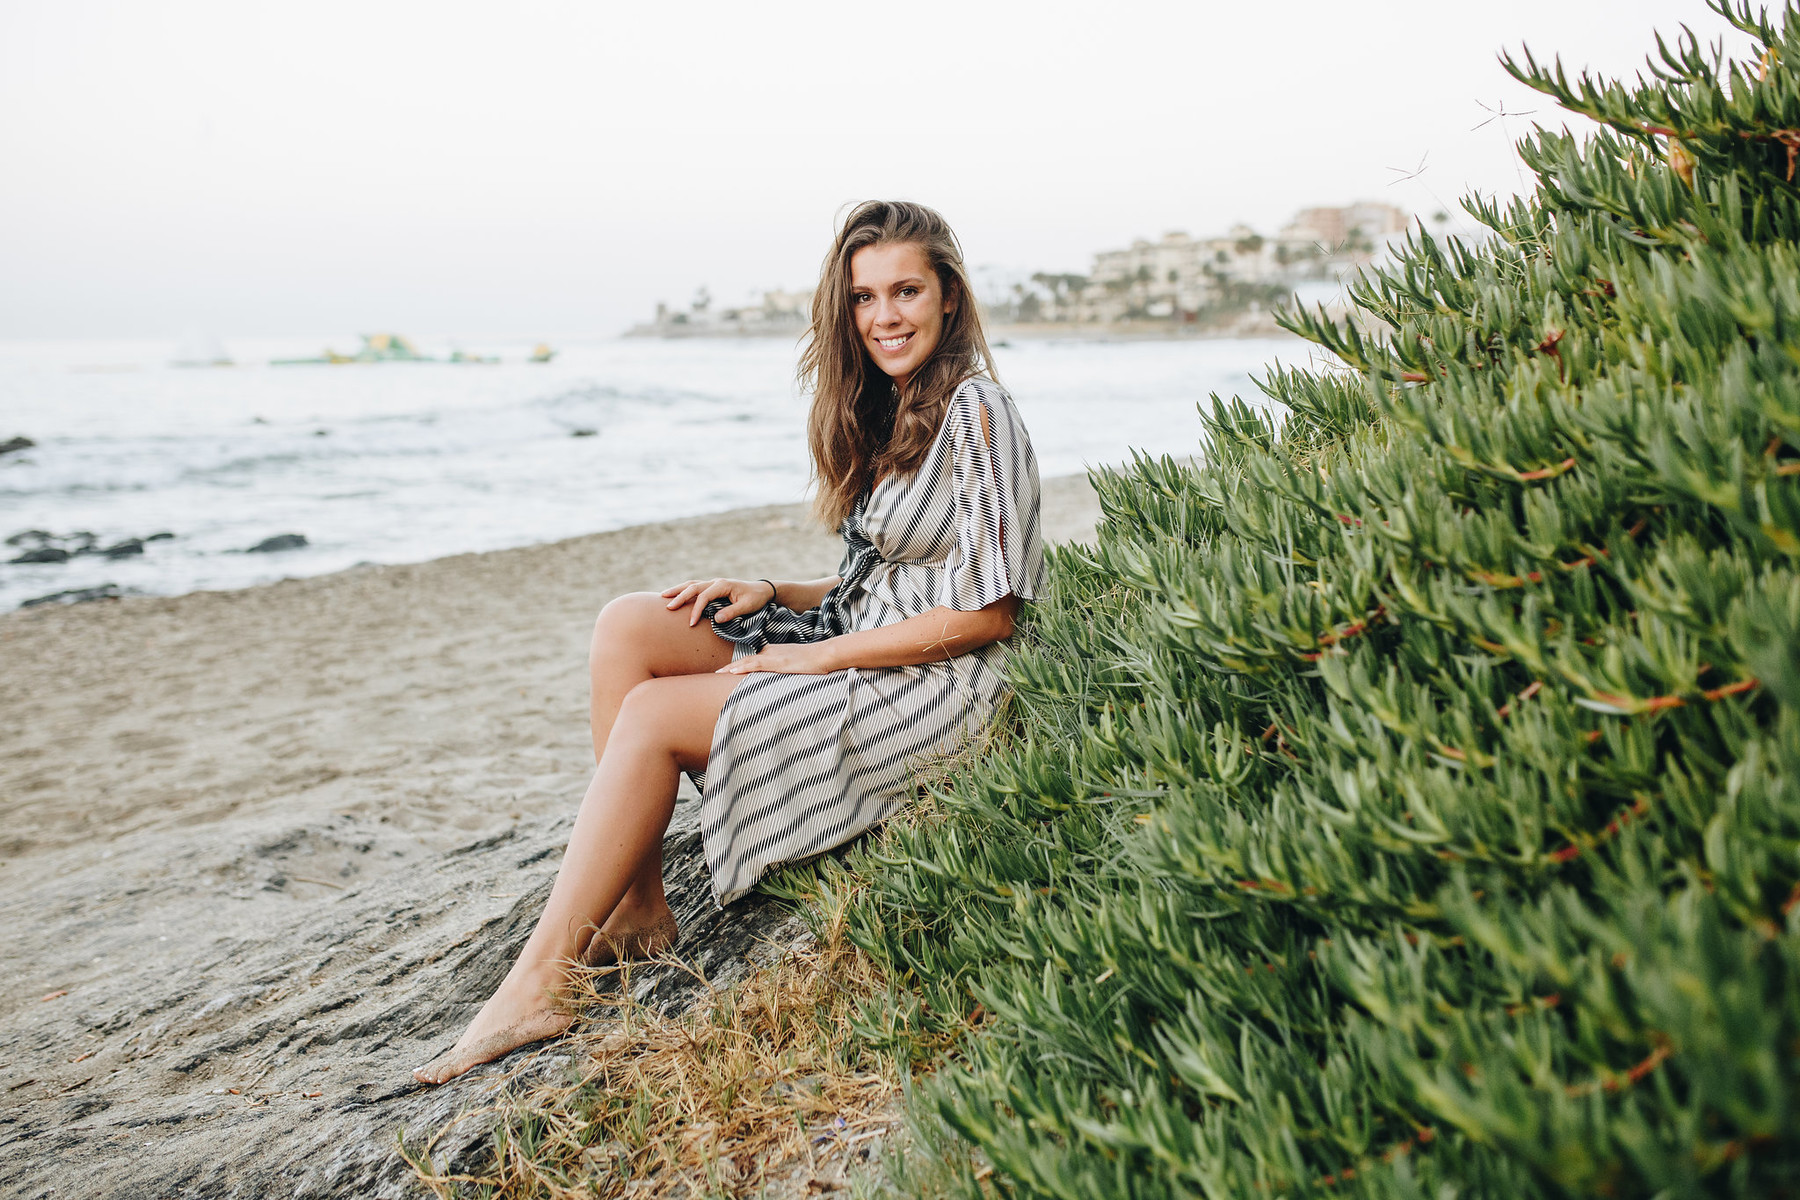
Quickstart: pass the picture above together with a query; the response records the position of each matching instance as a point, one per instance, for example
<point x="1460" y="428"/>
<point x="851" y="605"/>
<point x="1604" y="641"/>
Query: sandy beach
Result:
<point x="264" y="850"/>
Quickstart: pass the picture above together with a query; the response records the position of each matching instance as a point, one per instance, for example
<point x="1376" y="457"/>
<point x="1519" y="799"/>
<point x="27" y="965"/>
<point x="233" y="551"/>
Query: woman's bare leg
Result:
<point x="663" y="727"/>
<point x="638" y="638"/>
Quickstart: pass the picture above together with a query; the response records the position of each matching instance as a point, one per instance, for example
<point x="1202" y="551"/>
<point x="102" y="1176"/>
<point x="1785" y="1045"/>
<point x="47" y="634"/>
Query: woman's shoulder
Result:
<point x="979" y="387"/>
<point x="982" y="391"/>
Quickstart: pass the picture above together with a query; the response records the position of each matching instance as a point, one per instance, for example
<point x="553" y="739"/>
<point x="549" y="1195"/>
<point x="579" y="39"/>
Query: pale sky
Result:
<point x="557" y="168"/>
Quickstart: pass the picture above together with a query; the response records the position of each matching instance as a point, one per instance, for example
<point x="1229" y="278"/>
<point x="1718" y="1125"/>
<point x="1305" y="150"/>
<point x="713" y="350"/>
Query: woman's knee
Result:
<point x="644" y="715"/>
<point x="674" y="716"/>
<point x="626" y="620"/>
<point x="642" y="632"/>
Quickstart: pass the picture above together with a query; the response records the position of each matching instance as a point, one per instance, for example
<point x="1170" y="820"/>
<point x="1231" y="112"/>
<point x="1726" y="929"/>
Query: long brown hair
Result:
<point x="858" y="431"/>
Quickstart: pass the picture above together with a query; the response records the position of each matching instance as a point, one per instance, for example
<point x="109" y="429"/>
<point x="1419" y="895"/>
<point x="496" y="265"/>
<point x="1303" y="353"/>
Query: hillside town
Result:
<point x="1178" y="283"/>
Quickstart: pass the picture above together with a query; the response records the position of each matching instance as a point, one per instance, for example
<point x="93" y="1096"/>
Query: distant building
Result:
<point x="1182" y="278"/>
<point x="772" y="312"/>
<point x="782" y="308"/>
<point x="1360" y="228"/>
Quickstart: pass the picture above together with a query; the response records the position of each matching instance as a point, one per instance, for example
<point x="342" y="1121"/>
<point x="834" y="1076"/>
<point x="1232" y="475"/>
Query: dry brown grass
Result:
<point x="759" y="1087"/>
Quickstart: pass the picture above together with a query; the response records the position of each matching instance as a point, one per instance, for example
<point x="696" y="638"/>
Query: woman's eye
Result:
<point x="908" y="293"/>
<point x="860" y="297"/>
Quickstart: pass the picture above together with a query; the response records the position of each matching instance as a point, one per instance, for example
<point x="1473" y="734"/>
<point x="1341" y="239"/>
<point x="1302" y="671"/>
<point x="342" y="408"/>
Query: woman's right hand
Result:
<point x="745" y="596"/>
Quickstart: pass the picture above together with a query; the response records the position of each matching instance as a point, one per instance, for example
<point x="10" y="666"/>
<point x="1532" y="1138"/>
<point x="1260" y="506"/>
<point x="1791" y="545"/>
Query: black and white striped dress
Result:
<point x="802" y="763"/>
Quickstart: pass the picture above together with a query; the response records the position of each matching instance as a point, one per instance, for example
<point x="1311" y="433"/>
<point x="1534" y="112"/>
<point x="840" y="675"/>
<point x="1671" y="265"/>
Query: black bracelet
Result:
<point x="773" y="590"/>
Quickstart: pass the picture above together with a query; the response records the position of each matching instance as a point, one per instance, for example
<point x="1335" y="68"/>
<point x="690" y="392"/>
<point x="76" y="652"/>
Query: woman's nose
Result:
<point x="886" y="312"/>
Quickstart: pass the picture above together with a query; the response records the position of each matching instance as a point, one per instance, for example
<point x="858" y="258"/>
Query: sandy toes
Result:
<point x="603" y="949"/>
<point x="536" y="1027"/>
<point x="647" y="941"/>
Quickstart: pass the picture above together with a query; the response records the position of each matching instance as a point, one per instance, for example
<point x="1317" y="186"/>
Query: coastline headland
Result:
<point x="1177" y="286"/>
<point x="1259" y="323"/>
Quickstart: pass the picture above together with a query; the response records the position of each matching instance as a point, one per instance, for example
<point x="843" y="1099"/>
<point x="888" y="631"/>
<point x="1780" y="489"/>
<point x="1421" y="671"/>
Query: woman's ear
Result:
<point x="951" y="295"/>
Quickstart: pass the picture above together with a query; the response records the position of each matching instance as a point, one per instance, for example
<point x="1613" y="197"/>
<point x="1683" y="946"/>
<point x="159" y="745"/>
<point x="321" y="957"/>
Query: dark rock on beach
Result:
<point x="52" y="547"/>
<point x="584" y="433"/>
<point x="104" y="591"/>
<point x="42" y="546"/>
<point x="281" y="541"/>
<point x="43" y="554"/>
<point x="12" y="445"/>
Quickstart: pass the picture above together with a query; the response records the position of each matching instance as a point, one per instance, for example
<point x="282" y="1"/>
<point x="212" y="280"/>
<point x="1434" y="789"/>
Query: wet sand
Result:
<point x="281" y="840"/>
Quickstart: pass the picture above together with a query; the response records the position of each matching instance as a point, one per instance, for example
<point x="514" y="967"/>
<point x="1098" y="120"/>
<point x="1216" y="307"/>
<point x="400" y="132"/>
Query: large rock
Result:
<point x="12" y="445"/>
<point x="124" y="1085"/>
<point x="43" y="554"/>
<point x="41" y="546"/>
<point x="281" y="541"/>
<point x="104" y="591"/>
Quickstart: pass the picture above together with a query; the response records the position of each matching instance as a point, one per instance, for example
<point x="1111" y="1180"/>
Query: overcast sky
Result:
<point x="556" y="168"/>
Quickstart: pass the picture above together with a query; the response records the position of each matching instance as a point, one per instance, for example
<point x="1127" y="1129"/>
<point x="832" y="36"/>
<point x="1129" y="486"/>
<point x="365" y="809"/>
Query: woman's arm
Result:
<point x="745" y="595"/>
<point x="927" y="638"/>
<point x="804" y="595"/>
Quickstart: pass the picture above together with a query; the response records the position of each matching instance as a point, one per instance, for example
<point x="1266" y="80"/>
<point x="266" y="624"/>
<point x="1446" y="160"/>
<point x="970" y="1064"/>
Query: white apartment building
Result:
<point x="1179" y="277"/>
<point x="1367" y="223"/>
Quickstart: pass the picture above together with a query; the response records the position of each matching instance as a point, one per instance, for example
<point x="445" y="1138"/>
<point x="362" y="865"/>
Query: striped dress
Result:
<point x="802" y="763"/>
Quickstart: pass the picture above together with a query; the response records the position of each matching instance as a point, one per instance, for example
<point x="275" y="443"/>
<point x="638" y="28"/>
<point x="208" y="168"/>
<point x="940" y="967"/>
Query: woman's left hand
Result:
<point x="784" y="658"/>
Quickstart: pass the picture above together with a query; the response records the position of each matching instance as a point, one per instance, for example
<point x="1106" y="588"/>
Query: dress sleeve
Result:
<point x="998" y="547"/>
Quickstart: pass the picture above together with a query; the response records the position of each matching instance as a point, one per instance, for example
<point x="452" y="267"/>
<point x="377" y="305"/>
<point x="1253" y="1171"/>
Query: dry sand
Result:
<point x="264" y="850"/>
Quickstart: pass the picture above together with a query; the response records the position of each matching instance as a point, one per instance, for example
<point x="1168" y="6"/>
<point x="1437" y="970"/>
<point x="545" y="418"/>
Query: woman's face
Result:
<point x="899" y="306"/>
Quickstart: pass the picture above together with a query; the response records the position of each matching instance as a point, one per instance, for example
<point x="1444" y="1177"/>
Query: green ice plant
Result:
<point x="1404" y="802"/>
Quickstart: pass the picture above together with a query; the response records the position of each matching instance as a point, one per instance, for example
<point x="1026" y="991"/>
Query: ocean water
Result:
<point x="402" y="462"/>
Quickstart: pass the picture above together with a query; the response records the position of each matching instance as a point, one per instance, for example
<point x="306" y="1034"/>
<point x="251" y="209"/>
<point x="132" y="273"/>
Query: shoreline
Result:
<point x="1061" y="510"/>
<point x="277" y="839"/>
<point x="1247" y="326"/>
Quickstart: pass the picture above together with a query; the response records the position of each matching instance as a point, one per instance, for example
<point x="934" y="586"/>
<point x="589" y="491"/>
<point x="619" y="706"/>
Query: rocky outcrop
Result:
<point x="13" y="445"/>
<point x="281" y="541"/>
<point x="42" y="546"/>
<point x="43" y="554"/>
<point x="104" y="591"/>
<point x="277" y="1063"/>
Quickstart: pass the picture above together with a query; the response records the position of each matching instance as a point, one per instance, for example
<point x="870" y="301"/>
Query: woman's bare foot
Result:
<point x="629" y="936"/>
<point x="521" y="1012"/>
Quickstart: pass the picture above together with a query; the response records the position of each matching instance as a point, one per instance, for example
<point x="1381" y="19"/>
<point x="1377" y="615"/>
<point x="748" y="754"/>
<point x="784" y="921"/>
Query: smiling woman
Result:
<point x="801" y="708"/>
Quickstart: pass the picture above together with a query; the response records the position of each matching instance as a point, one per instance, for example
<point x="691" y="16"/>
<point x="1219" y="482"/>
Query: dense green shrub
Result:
<point x="1404" y="802"/>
